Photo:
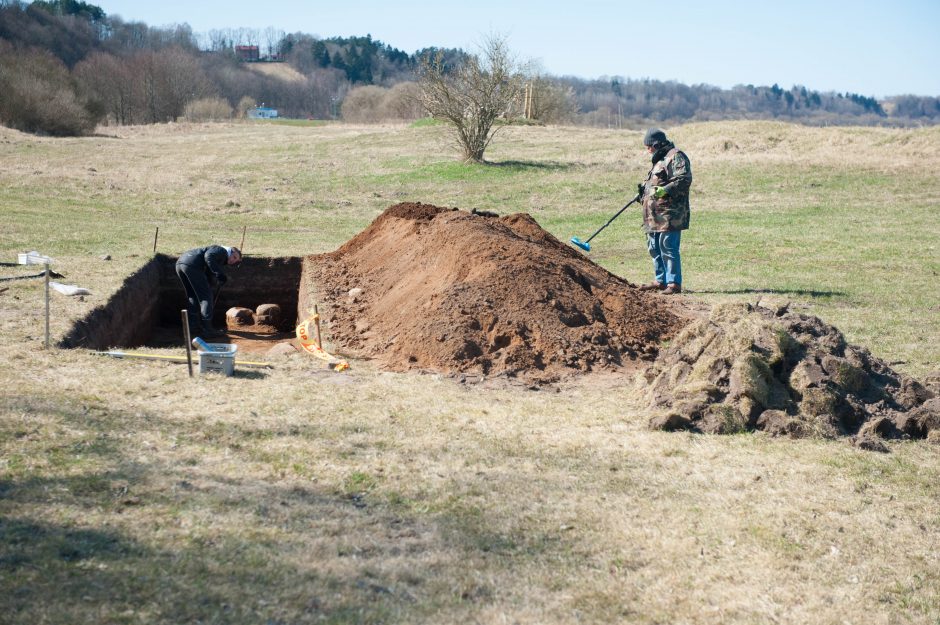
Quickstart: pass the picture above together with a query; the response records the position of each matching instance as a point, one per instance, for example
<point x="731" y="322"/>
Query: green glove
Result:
<point x="659" y="192"/>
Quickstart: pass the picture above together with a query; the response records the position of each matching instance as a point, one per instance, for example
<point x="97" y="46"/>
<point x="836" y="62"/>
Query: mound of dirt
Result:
<point x="767" y="368"/>
<point x="452" y="291"/>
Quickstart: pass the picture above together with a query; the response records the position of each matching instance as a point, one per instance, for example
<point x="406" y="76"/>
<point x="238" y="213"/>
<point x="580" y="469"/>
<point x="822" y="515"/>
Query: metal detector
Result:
<point x="586" y="245"/>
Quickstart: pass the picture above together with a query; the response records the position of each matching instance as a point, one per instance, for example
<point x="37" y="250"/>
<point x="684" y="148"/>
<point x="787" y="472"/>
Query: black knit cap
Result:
<point x="654" y="137"/>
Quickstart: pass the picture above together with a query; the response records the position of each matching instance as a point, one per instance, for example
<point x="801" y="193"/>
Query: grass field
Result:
<point x="132" y="494"/>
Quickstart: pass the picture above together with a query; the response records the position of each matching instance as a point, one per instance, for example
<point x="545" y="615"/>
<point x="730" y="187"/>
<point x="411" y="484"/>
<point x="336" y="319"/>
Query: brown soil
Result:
<point x="243" y="328"/>
<point x="480" y="296"/>
<point x="445" y="290"/>
<point x="256" y="339"/>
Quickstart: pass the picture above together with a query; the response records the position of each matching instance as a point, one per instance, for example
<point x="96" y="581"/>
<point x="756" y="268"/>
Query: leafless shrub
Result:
<point x="403" y="102"/>
<point x="38" y="95"/>
<point x="551" y="102"/>
<point x="364" y="104"/>
<point x="371" y="104"/>
<point x="246" y="103"/>
<point x="473" y="95"/>
<point x="208" y="110"/>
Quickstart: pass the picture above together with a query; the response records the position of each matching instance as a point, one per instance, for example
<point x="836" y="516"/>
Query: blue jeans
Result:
<point x="664" y="248"/>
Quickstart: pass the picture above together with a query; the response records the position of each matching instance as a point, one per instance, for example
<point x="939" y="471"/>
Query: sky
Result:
<point x="875" y="48"/>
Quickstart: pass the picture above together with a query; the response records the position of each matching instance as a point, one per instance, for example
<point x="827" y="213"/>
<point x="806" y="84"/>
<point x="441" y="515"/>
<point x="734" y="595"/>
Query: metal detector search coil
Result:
<point x="586" y="245"/>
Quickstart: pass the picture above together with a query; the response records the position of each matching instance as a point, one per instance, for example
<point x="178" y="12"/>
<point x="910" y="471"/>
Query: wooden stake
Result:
<point x="47" y="305"/>
<point x="316" y="316"/>
<point x="155" y="236"/>
<point x="242" y="246"/>
<point x="189" y="345"/>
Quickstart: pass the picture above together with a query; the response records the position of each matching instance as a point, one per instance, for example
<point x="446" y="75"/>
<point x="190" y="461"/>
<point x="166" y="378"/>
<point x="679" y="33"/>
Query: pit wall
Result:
<point x="257" y="281"/>
<point x="153" y="296"/>
<point x="306" y="295"/>
<point x="127" y="318"/>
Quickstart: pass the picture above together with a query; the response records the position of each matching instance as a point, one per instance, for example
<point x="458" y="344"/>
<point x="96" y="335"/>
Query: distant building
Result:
<point x="262" y="112"/>
<point x="247" y="53"/>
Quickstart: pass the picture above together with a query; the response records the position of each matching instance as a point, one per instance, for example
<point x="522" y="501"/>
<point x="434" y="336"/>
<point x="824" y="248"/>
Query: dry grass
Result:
<point x="132" y="494"/>
<point x="278" y="70"/>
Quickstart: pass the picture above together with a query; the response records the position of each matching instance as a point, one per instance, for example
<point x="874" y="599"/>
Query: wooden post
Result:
<point x="316" y="316"/>
<point x="47" y="305"/>
<point x="242" y="246"/>
<point x="189" y="345"/>
<point x="155" y="236"/>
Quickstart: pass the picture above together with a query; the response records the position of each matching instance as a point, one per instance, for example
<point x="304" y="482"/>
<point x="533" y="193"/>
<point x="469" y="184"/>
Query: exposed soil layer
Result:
<point x="146" y="309"/>
<point x="441" y="289"/>
<point x="767" y="368"/>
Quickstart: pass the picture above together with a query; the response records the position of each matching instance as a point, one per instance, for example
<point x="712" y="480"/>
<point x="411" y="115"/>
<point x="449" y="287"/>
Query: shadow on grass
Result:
<point x="166" y="541"/>
<point x="530" y="165"/>
<point x="213" y="572"/>
<point x="30" y="544"/>
<point x="799" y="292"/>
<point x="95" y="536"/>
<point x="254" y="373"/>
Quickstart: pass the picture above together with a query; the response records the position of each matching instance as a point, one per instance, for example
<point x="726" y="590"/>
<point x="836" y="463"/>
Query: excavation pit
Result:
<point x="479" y="296"/>
<point x="145" y="311"/>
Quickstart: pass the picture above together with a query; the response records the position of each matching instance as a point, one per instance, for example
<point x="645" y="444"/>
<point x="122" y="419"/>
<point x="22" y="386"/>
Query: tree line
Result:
<point x="66" y="66"/>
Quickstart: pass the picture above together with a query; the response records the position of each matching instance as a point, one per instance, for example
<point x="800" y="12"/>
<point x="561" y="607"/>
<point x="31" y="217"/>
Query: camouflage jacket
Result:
<point x="671" y="212"/>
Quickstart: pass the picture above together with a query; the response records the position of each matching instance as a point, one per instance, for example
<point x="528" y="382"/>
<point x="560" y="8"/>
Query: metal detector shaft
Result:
<point x="609" y="221"/>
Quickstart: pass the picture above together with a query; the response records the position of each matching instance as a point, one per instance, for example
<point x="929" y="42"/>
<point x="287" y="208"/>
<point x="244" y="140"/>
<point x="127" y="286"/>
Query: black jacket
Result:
<point x="211" y="258"/>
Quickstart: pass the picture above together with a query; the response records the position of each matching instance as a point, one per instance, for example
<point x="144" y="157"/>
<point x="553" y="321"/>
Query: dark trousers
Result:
<point x="198" y="294"/>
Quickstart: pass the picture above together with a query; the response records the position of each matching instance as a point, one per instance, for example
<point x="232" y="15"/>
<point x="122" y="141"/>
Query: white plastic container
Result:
<point x="220" y="358"/>
<point x="32" y="258"/>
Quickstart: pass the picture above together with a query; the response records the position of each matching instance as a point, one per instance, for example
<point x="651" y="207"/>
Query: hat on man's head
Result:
<point x="654" y="137"/>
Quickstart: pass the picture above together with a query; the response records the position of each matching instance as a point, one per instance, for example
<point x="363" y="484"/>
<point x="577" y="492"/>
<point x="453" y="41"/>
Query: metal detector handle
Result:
<point x="609" y="221"/>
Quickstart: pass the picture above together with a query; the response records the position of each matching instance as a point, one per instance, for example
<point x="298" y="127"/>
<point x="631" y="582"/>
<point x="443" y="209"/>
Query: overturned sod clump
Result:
<point x="461" y="292"/>
<point x="767" y="368"/>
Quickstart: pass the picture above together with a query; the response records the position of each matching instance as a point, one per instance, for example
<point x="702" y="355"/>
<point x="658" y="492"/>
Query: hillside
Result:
<point x="281" y="71"/>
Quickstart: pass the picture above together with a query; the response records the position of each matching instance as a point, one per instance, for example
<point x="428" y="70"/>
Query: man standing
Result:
<point x="665" y="194"/>
<point x="194" y="269"/>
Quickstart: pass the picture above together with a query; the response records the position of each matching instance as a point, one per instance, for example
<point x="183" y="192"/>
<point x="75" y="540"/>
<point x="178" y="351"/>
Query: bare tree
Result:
<point x="272" y="41"/>
<point x="473" y="95"/>
<point x="112" y="82"/>
<point x="550" y="102"/>
<point x="168" y="79"/>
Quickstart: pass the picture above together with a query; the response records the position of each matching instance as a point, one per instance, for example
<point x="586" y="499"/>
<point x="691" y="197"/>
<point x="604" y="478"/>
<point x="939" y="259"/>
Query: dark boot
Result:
<point x="211" y="332"/>
<point x="672" y="289"/>
<point x="652" y="286"/>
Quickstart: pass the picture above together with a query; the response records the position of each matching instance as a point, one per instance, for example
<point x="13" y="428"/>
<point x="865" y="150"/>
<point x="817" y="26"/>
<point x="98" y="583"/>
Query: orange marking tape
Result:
<point x="309" y="343"/>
